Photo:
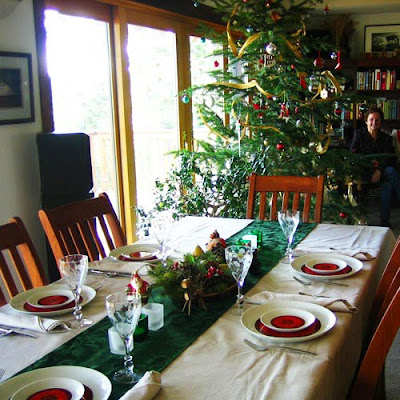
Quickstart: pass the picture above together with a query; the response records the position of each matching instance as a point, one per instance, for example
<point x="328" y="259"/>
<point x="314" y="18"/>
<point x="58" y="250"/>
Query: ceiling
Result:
<point x="360" y="6"/>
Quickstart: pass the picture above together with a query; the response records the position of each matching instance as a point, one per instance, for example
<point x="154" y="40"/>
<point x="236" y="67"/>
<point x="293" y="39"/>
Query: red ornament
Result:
<point x="256" y="106"/>
<point x="375" y="164"/>
<point x="338" y="111"/>
<point x="268" y="3"/>
<point x="276" y="16"/>
<point x="343" y="215"/>
<point x="216" y="64"/>
<point x="280" y="146"/>
<point x="296" y="110"/>
<point x="319" y="61"/>
<point x="293" y="66"/>
<point x="326" y="9"/>
<point x="339" y="63"/>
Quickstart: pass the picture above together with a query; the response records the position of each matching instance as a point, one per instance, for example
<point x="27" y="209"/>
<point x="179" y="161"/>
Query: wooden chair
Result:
<point x="294" y="190"/>
<point x="371" y="368"/>
<point x="20" y="266"/>
<point x="83" y="227"/>
<point x="387" y="287"/>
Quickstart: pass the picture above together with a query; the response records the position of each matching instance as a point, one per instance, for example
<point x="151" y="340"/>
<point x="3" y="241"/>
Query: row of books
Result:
<point x="378" y="79"/>
<point x="390" y="108"/>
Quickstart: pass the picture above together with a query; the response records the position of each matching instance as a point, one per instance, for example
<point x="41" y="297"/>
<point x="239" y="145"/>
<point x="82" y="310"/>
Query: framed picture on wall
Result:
<point x="382" y="38"/>
<point x="16" y="92"/>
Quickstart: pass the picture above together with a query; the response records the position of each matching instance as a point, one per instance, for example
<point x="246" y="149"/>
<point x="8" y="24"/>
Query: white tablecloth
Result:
<point x="218" y="365"/>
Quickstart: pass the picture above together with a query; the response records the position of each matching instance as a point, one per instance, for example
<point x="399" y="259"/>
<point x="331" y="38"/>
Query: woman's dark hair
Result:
<point x="374" y="109"/>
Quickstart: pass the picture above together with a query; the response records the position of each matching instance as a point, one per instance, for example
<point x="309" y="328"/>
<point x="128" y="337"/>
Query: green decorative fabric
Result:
<point x="160" y="348"/>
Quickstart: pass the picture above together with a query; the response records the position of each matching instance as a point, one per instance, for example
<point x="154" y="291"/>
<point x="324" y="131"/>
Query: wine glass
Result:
<point x="239" y="258"/>
<point x="74" y="269"/>
<point x="124" y="311"/>
<point x="289" y="220"/>
<point x="161" y="227"/>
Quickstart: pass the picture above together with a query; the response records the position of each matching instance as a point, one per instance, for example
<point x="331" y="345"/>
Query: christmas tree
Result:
<point x="271" y="108"/>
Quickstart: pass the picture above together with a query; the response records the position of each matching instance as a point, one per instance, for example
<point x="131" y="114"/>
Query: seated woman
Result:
<point x="371" y="140"/>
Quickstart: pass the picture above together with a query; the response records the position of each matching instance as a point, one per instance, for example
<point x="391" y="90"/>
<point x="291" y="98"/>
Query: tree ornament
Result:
<point x="216" y="64"/>
<point x="276" y="16"/>
<point x="338" y="111"/>
<point x="343" y="215"/>
<point x="333" y="55"/>
<point x="363" y="107"/>
<point x="339" y="63"/>
<point x="195" y="4"/>
<point x="299" y="123"/>
<point x="329" y="128"/>
<point x="326" y="9"/>
<point x="245" y="1"/>
<point x="203" y="39"/>
<point x="185" y="99"/>
<point x="296" y="110"/>
<point x="324" y="94"/>
<point x="270" y="48"/>
<point x="280" y="146"/>
<point x="268" y="3"/>
<point x="269" y="60"/>
<point x="266" y="142"/>
<point x="249" y="29"/>
<point x="319" y="61"/>
<point x="375" y="164"/>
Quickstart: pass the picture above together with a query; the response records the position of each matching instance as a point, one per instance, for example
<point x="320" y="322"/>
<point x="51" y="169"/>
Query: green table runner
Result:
<point x="160" y="348"/>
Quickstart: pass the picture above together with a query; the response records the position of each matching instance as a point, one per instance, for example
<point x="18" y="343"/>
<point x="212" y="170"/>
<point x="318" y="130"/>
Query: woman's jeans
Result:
<point x="390" y="185"/>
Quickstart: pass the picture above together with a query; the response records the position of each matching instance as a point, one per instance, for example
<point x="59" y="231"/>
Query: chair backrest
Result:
<point x="294" y="191"/>
<point x="20" y="266"/>
<point x="387" y="287"/>
<point x="83" y="227"/>
<point x="371" y="368"/>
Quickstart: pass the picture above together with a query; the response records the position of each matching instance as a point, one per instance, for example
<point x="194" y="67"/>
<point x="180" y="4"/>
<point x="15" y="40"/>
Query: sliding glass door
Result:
<point x="154" y="96"/>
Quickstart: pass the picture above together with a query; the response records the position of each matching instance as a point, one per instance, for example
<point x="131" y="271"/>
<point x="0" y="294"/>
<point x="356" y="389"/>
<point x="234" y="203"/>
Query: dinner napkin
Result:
<point x="146" y="388"/>
<point x="360" y="254"/>
<point x="334" y="304"/>
<point x="33" y="322"/>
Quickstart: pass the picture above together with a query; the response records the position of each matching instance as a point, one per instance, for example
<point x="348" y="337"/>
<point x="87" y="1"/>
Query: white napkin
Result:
<point x="146" y="388"/>
<point x="360" y="254"/>
<point x="33" y="322"/>
<point x="334" y="304"/>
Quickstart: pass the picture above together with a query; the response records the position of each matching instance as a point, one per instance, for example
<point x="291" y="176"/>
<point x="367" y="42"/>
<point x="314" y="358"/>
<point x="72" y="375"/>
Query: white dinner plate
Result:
<point x="74" y="388"/>
<point x="326" y="317"/>
<point x="17" y="302"/>
<point x="287" y="319"/>
<point x="326" y="265"/>
<point x="50" y="291"/>
<point x="353" y="263"/>
<point x="150" y="250"/>
<point x="95" y="380"/>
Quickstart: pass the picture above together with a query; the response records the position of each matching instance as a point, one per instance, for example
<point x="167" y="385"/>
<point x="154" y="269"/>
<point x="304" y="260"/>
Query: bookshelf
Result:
<point x="379" y="80"/>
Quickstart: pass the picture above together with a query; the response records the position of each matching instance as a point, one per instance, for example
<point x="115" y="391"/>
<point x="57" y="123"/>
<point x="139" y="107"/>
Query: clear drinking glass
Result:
<point x="289" y="220"/>
<point x="161" y="227"/>
<point x="124" y="311"/>
<point x="239" y="258"/>
<point x="74" y="269"/>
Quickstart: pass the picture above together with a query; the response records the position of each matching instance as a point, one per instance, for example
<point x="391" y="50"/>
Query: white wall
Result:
<point x="369" y="19"/>
<point x="19" y="168"/>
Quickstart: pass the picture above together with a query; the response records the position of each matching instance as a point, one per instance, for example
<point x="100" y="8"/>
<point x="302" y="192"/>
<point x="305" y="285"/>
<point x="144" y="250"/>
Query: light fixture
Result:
<point x="7" y="7"/>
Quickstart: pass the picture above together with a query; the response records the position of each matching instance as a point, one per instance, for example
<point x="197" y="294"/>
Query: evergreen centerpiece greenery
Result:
<point x="195" y="277"/>
<point x="270" y="109"/>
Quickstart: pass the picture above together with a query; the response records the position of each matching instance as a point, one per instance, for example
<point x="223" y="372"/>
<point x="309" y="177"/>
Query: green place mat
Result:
<point x="160" y="348"/>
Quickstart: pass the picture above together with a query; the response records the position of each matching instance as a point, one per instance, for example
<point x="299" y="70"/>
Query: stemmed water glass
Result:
<point x="161" y="226"/>
<point x="289" y="220"/>
<point x="239" y="258"/>
<point x="74" y="269"/>
<point x="124" y="311"/>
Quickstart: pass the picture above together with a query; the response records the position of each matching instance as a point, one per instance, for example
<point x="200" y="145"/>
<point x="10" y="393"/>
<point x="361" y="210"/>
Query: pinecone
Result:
<point x="214" y="235"/>
<point x="219" y="251"/>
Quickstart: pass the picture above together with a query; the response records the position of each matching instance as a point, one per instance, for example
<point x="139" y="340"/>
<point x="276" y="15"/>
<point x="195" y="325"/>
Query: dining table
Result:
<point x="203" y="355"/>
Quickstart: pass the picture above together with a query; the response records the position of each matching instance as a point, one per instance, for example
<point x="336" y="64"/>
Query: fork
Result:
<point x="271" y="346"/>
<point x="306" y="283"/>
